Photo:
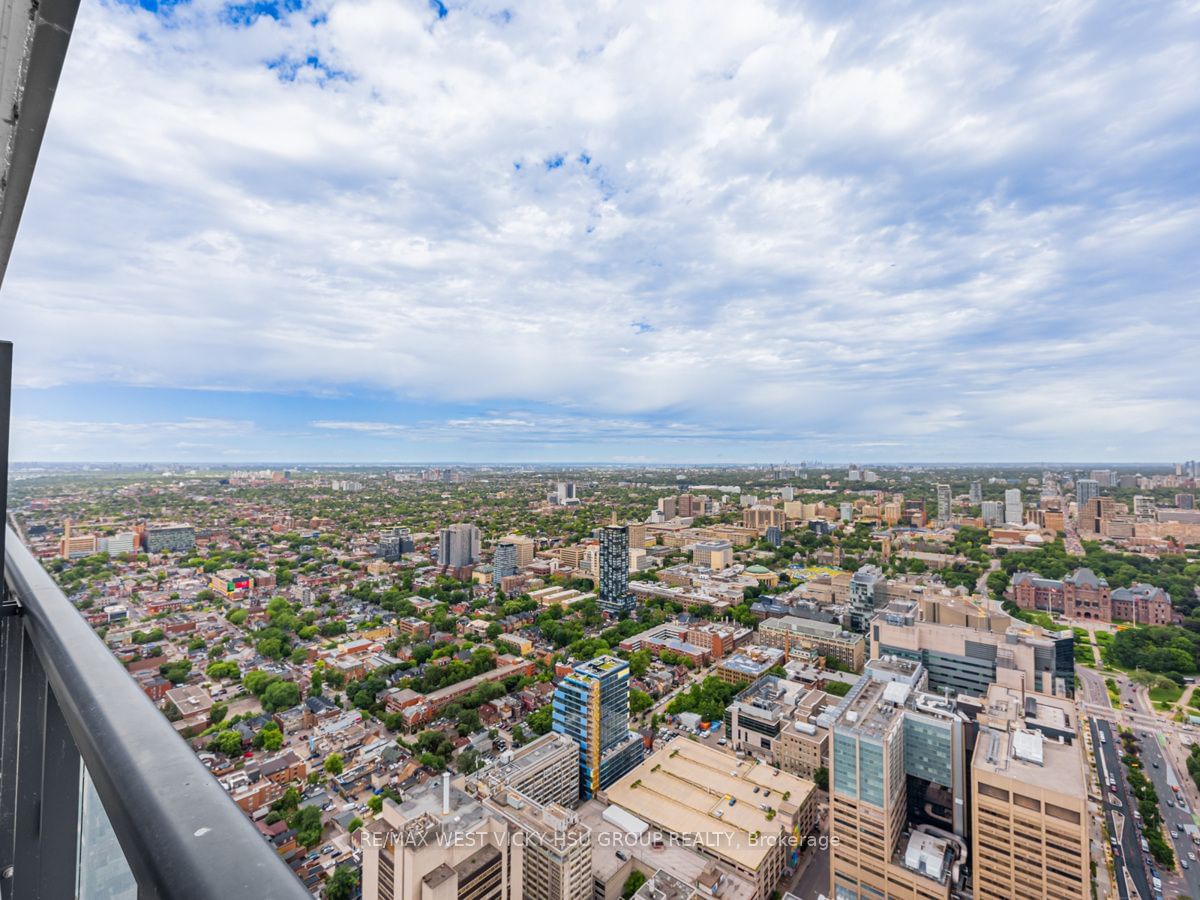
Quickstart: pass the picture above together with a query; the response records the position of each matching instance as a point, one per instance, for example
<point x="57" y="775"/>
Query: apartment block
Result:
<point x="828" y="639"/>
<point x="591" y="706"/>
<point x="546" y="770"/>
<point x="773" y="720"/>
<point x="174" y="537"/>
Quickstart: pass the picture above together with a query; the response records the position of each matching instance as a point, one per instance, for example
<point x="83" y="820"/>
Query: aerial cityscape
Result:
<point x="753" y="682"/>
<point x="507" y="450"/>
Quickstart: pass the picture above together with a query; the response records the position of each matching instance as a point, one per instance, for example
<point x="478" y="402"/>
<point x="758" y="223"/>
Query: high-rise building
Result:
<point x="458" y="545"/>
<point x="591" y="706"/>
<point x="1185" y="501"/>
<point x="1143" y="506"/>
<point x="564" y="492"/>
<point x="525" y="547"/>
<point x="1029" y="799"/>
<point x="504" y="563"/>
<point x="896" y="747"/>
<point x="965" y="647"/>
<point x="686" y="505"/>
<point x="1014" y="511"/>
<point x="845" y="511"/>
<point x="992" y="512"/>
<point x="174" y="537"/>
<point x="614" y="569"/>
<point x="976" y="492"/>
<point x="774" y="535"/>
<point x="762" y="517"/>
<point x="637" y="535"/>
<point x="716" y="555"/>
<point x="546" y="770"/>
<point x="1103" y="477"/>
<point x="666" y="506"/>
<point x="787" y="492"/>
<point x="1085" y="490"/>
<point x="943" y="503"/>
<point x="485" y="843"/>
<point x="440" y="844"/>
<point x="394" y="543"/>
<point x="864" y="596"/>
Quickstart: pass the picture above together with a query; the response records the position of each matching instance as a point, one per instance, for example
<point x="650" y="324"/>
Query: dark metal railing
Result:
<point x="73" y="726"/>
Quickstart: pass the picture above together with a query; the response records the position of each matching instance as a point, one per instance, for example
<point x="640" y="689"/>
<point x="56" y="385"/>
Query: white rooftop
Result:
<point x="926" y="854"/>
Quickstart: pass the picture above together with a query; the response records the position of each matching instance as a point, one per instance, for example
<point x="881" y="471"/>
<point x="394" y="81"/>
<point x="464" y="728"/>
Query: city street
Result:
<point x="1163" y="752"/>
<point x="1117" y="814"/>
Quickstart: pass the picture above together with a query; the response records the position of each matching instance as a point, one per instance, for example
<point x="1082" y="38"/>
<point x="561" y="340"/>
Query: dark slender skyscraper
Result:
<point x="614" y="569"/>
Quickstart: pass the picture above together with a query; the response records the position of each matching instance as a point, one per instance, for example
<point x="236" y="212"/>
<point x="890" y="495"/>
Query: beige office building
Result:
<point x="886" y="730"/>
<point x="774" y="720"/>
<point x="637" y="535"/>
<point x="715" y="555"/>
<point x="556" y="849"/>
<point x="525" y="549"/>
<point x="761" y="517"/>
<point x="1029" y="800"/>
<point x="440" y="844"/>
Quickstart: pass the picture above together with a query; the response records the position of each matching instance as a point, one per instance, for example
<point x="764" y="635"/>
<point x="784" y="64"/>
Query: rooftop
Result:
<point x="1021" y="740"/>
<point x="684" y="863"/>
<point x="688" y="788"/>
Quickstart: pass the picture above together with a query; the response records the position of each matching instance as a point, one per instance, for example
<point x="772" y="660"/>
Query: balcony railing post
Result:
<point x="46" y="796"/>
<point x="11" y="646"/>
<point x="6" y="360"/>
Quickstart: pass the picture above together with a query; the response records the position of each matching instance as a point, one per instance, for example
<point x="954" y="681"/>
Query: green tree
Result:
<point x="228" y="742"/>
<point x="821" y="778"/>
<point x="281" y="695"/>
<point x="306" y="822"/>
<point x="342" y="884"/>
<point x="540" y="721"/>
<point x="635" y="880"/>
<point x="333" y="764"/>
<point x="639" y="701"/>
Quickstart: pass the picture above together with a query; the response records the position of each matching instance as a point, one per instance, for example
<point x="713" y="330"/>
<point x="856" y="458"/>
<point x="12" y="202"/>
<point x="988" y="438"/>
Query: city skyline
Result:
<point x="679" y="233"/>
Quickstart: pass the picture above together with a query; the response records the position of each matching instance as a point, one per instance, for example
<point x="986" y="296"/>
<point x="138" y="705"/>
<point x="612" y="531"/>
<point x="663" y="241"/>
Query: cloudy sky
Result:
<point x="678" y="231"/>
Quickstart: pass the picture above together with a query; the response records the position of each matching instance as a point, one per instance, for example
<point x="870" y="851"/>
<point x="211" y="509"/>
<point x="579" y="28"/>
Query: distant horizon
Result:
<point x="811" y="466"/>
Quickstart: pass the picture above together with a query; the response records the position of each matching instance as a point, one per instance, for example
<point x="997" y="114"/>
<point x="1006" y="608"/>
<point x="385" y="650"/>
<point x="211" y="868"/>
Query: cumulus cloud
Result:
<point x="921" y="227"/>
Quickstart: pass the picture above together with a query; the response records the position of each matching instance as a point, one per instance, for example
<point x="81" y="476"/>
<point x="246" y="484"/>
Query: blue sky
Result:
<point x="682" y="231"/>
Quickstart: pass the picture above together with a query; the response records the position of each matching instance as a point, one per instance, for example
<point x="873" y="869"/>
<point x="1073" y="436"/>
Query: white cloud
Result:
<point x="921" y="222"/>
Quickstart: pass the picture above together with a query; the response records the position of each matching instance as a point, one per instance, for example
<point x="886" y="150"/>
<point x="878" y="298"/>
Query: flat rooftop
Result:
<point x="1014" y="746"/>
<point x="753" y="660"/>
<point x="686" y="788"/>
<point x="529" y="758"/>
<point x="677" y="859"/>
<point x="810" y="628"/>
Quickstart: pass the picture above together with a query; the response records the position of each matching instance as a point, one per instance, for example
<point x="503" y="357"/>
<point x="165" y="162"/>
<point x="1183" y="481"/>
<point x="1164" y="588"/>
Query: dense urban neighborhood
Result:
<point x="613" y="660"/>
